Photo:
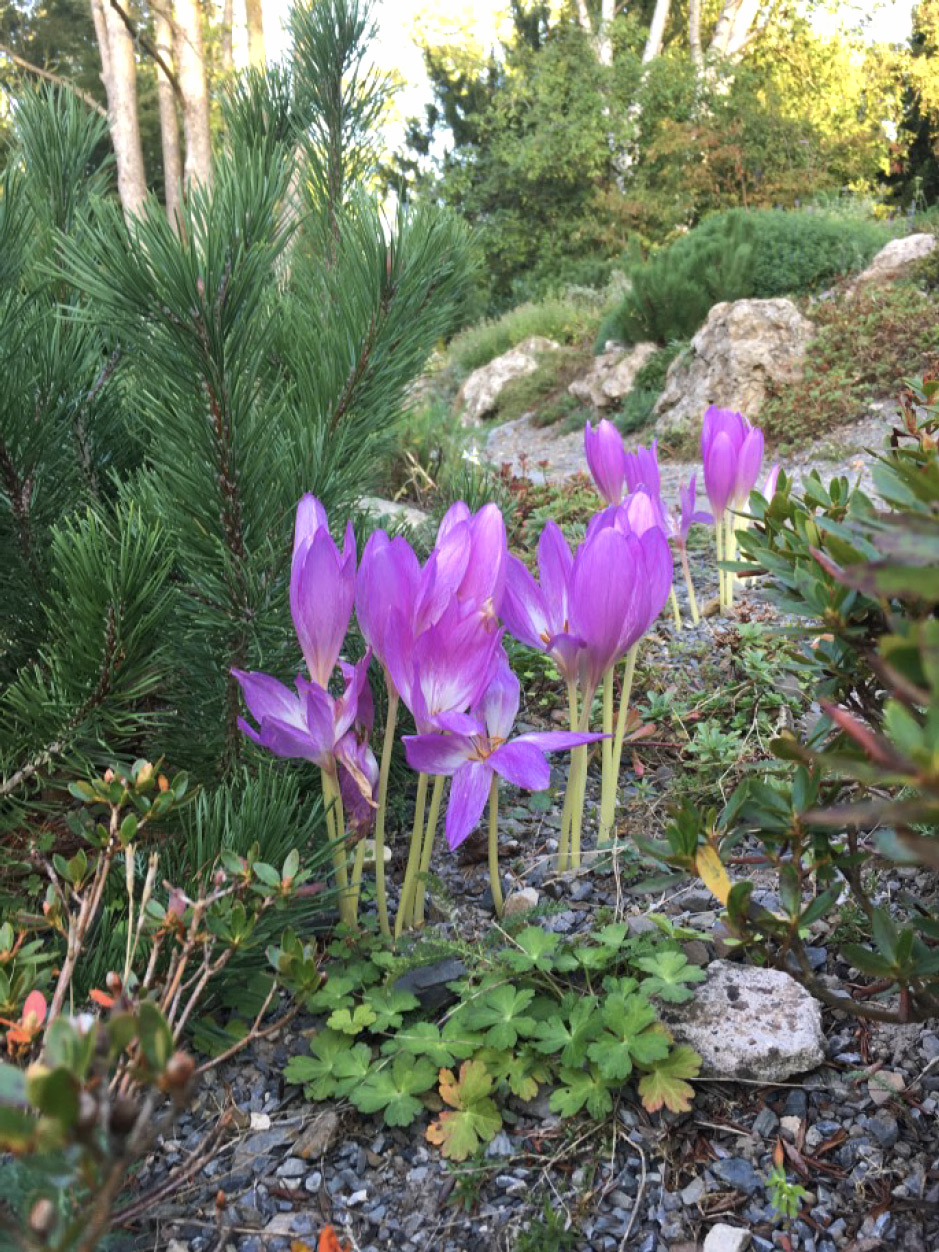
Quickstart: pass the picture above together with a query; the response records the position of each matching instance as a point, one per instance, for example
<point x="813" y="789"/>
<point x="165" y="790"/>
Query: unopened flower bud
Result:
<point x="163" y="783"/>
<point x="42" y="1217"/>
<point x="144" y="774"/>
<point x="179" y="1070"/>
<point x="109" y="775"/>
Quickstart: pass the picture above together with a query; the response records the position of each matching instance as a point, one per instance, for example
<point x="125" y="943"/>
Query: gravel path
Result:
<point x="544" y="454"/>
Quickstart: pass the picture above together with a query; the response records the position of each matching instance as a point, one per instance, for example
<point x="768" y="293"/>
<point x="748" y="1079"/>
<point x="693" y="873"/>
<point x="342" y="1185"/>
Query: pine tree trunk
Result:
<point x="228" y="22"/>
<point x="254" y="16"/>
<point x="190" y="71"/>
<point x="694" y="32"/>
<point x="119" y="75"/>
<point x="656" y="31"/>
<point x="169" y="122"/>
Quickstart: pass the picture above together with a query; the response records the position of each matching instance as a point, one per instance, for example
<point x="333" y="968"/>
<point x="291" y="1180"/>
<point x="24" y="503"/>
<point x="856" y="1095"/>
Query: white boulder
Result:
<point x="745" y="348"/>
<point x="896" y="257"/>
<point x="612" y="375"/>
<point x="758" y="1024"/>
<point x="479" y="394"/>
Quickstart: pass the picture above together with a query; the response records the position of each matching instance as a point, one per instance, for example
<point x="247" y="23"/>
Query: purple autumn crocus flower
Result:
<point x="468" y="564"/>
<point x="606" y="459"/>
<point x="322" y="589"/>
<point x="444" y="668"/>
<point x="689" y="515"/>
<point x="642" y="470"/>
<point x="479" y="748"/>
<point x="388" y="580"/>
<point x="731" y="449"/>
<point x="537" y="613"/>
<point x="768" y="490"/>
<point x="307" y="723"/>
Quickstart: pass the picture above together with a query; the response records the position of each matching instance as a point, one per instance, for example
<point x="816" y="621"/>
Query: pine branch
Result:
<point x="50" y="77"/>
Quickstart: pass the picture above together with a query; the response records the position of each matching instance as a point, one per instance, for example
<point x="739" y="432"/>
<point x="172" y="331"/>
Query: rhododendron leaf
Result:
<point x="394" y="1089"/>
<point x="474" y="1119"/>
<point x="670" y="972"/>
<point x="665" y="1085"/>
<point x="712" y="873"/>
<point x="581" y="1087"/>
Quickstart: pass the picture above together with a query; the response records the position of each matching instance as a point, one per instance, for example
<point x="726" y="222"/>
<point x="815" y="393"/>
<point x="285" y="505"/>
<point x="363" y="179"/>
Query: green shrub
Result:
<point x="636" y="411"/>
<point x="544" y="392"/>
<point x="567" y="321"/>
<point x="733" y="256"/>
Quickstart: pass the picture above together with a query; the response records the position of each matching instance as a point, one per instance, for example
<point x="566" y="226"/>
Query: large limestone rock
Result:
<point x="758" y="1024"/>
<point x="895" y="258"/>
<point x="612" y="375"/>
<point x="741" y="349"/>
<point x="480" y="393"/>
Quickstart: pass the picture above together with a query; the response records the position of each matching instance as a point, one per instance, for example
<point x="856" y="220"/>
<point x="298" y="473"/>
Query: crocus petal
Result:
<point x="524" y="610"/>
<point x="606" y="459"/>
<point x="523" y="764"/>
<point x="346" y="710"/>
<point x="437" y="754"/>
<point x="469" y="791"/>
<point x="748" y="466"/>
<point x="388" y="578"/>
<point x="311" y="517"/>
<point x="484" y="581"/>
<point x="457" y="513"/>
<point x="720" y="472"/>
<point x="555" y="561"/>
<point x="322" y="588"/>
<point x="769" y="487"/>
<point x="559" y="740"/>
<point x="358" y="769"/>
<point x="600" y="594"/>
<point x="499" y="705"/>
<point x="266" y="697"/>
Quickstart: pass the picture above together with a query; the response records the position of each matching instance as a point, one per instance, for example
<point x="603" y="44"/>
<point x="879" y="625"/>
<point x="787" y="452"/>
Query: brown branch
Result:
<point x="59" y="81"/>
<point x="150" y="48"/>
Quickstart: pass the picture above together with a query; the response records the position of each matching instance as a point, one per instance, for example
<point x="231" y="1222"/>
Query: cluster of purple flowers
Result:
<point x="437" y="633"/>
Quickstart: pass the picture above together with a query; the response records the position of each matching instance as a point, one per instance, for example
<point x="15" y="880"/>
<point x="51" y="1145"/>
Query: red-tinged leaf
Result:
<point x="835" y="1141"/>
<point x="102" y="998"/>
<point x="666" y="1085"/>
<point x="876" y="746"/>
<point x="475" y="1118"/>
<point x="638" y="768"/>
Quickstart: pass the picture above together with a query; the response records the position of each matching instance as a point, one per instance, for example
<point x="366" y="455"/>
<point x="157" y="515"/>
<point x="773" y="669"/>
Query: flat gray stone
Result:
<point x="724" y="1238"/>
<point x="757" y="1024"/>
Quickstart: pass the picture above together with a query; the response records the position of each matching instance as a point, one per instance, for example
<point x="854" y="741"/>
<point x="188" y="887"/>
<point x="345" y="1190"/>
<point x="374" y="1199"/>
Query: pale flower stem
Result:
<point x="410" y="873"/>
<point x="336" y="835"/>
<point x="607" y="785"/>
<point x="692" y="598"/>
<point x="564" y="839"/>
<point x="719" y="537"/>
<point x="380" y="893"/>
<point x="730" y="552"/>
<point x="628" y="677"/>
<point x="494" y="879"/>
<point x="673" y="599"/>
<point x="427" y="850"/>
<point x="577" y="810"/>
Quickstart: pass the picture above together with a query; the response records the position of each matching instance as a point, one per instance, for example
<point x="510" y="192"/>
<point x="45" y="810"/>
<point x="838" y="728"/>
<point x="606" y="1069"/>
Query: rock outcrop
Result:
<point x="752" y="1023"/>
<point x="479" y="394"/>
<point x="742" y="349"/>
<point x="895" y="258"/>
<point x="612" y="375"/>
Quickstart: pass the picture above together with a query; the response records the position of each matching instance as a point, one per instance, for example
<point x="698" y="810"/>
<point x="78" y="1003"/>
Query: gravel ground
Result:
<point x="859" y="1133"/>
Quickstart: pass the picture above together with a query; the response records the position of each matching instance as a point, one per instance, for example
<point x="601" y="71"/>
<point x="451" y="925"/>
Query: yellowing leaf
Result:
<point x="712" y="873"/>
<point x="475" y="1119"/>
<point x="666" y="1085"/>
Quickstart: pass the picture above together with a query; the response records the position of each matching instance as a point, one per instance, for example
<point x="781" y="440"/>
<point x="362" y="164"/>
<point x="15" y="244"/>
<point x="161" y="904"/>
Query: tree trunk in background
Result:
<point x="190" y="71"/>
<point x="255" y="21"/>
<point x="733" y="30"/>
<point x="656" y="31"/>
<point x="694" y="32"/>
<point x="119" y="75"/>
<point x="604" y="36"/>
<point x="228" y="22"/>
<point x="169" y="122"/>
